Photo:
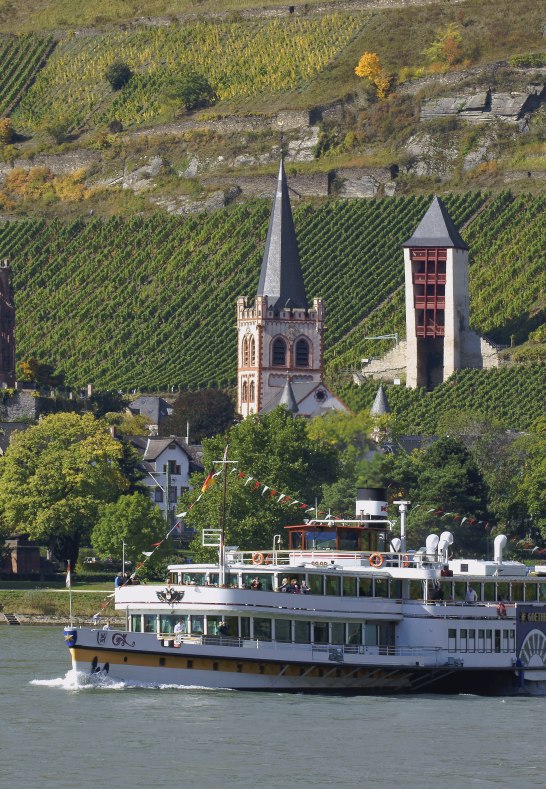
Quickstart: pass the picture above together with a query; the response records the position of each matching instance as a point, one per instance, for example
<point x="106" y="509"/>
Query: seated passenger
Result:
<point x="285" y="585"/>
<point x="295" y="586"/>
<point x="304" y="588"/>
<point x="256" y="584"/>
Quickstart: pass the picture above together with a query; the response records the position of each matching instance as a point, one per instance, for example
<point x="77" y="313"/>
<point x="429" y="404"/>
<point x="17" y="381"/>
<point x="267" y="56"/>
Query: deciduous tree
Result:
<point x="131" y="519"/>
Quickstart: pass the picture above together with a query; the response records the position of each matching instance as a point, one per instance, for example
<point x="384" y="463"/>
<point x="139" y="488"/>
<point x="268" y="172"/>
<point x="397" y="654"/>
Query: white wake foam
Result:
<point x="78" y="680"/>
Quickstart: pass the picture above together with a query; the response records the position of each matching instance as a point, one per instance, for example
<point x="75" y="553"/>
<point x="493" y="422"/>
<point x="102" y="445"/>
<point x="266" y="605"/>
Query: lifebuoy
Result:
<point x="501" y="610"/>
<point x="376" y="560"/>
<point x="257" y="558"/>
<point x="405" y="560"/>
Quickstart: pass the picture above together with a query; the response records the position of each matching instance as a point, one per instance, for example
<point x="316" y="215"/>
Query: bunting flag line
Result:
<point x="208" y="482"/>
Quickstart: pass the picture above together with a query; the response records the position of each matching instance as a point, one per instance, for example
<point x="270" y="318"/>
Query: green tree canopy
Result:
<point x="192" y="89"/>
<point x="118" y="74"/>
<point x="275" y="450"/>
<point x="208" y="412"/>
<point x="132" y="519"/>
<point x="55" y="475"/>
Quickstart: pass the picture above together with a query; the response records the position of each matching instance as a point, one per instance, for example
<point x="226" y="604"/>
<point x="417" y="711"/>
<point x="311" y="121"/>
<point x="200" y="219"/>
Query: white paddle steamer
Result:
<point x="345" y="609"/>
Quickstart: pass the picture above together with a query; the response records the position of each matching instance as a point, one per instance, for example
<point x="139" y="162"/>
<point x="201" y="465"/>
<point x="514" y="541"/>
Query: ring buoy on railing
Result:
<point x="405" y="560"/>
<point x="257" y="558"/>
<point x="501" y="610"/>
<point x="376" y="560"/>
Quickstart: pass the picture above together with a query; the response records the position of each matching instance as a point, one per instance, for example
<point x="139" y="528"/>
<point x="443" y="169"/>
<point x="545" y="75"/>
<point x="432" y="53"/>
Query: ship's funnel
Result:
<point x="371" y="503"/>
<point x="432" y="545"/>
<point x="446" y="539"/>
<point x="498" y="545"/>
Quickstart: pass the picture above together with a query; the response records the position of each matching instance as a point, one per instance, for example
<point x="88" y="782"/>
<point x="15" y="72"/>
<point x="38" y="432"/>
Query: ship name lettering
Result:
<point x="534" y="617"/>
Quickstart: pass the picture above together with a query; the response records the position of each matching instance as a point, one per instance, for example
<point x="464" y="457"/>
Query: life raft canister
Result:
<point x="257" y="558"/>
<point x="376" y="560"/>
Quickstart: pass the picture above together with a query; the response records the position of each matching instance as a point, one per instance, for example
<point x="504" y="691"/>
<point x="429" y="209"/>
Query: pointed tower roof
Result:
<point x="436" y="229"/>
<point x="380" y="404"/>
<point x="281" y="278"/>
<point x="287" y="398"/>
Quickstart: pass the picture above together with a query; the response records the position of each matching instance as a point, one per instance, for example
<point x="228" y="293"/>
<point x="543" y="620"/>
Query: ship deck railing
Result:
<point x="318" y="557"/>
<point x="331" y="652"/>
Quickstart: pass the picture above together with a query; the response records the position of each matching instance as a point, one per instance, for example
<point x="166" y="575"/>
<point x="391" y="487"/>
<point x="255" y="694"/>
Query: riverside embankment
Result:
<point x="52" y="606"/>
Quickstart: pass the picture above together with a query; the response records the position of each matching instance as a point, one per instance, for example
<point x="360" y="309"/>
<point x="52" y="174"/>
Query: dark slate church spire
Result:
<point x="436" y="229"/>
<point x="281" y="278"/>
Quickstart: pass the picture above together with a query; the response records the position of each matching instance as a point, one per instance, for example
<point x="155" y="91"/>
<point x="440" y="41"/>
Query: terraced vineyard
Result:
<point x="513" y="395"/>
<point x="21" y="58"/>
<point x="150" y="303"/>
<point x="238" y="58"/>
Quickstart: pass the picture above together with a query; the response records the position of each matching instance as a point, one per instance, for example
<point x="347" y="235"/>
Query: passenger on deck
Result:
<point x="223" y="629"/>
<point x="285" y="585"/>
<point x="256" y="583"/>
<point x="295" y="586"/>
<point x="179" y="627"/>
<point x="304" y="588"/>
<point x="471" y="596"/>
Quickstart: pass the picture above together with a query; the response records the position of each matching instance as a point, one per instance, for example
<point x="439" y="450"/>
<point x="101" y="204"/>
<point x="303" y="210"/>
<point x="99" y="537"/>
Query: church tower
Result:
<point x="437" y="309"/>
<point x="279" y="336"/>
<point x="7" y="327"/>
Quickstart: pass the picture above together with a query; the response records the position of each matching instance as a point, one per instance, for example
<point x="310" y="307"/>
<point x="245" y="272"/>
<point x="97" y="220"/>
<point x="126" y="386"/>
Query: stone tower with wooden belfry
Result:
<point x="437" y="308"/>
<point x="7" y="327"/>
<point x="280" y="334"/>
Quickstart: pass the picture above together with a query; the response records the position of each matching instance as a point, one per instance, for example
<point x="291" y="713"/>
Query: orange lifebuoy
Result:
<point x="376" y="560"/>
<point x="257" y="558"/>
<point x="501" y="610"/>
<point x="405" y="560"/>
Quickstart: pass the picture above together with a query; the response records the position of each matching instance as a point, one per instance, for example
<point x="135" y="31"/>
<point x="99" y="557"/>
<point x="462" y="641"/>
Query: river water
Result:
<point x="58" y="732"/>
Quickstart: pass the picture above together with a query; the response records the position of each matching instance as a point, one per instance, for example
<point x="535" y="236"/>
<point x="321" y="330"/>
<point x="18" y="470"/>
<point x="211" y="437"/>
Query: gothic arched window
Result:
<point x="245" y="352"/>
<point x="302" y="353"/>
<point x="252" y="393"/>
<point x="279" y="352"/>
<point x="252" y="351"/>
<point x="244" y="396"/>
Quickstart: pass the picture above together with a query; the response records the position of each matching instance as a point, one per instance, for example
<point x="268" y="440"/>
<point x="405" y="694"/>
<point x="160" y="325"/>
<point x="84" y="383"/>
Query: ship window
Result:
<point x="415" y="590"/>
<point x="497" y="640"/>
<point x="542" y="593"/>
<point x="261" y="669"/>
<point x="197" y="624"/>
<point x="189" y="664"/>
<point x="503" y="591"/>
<point x="348" y="539"/>
<point x="463" y="642"/>
<point x="512" y="640"/>
<point x="283" y="630"/>
<point x="262" y="629"/>
<point x="460" y="591"/>
<point x="354" y="633"/>
<point x="333" y="585"/>
<point x="315" y="584"/>
<point x="136" y="623"/>
<point x="349" y="586"/>
<point x="320" y="540"/>
<point x="381" y="587"/>
<point x="320" y="633"/>
<point x="517" y="592"/>
<point x="296" y="540"/>
<point x="452" y="639"/>
<point x="245" y="627"/>
<point x="213" y="623"/>
<point x="505" y="641"/>
<point x="161" y="661"/>
<point x="150" y="623"/>
<point x="215" y="666"/>
<point x="488" y="640"/>
<point x="530" y="592"/>
<point x="481" y="640"/>
<point x="167" y="623"/>
<point x="471" y="640"/>
<point x="338" y="633"/>
<point x="370" y="634"/>
<point x="489" y="592"/>
<point x="193" y="579"/>
<point x="302" y="632"/>
<point x="396" y="589"/>
<point x="239" y="668"/>
<point x="447" y="589"/>
<point x="365" y="587"/>
<point x="279" y="352"/>
<point x="266" y="580"/>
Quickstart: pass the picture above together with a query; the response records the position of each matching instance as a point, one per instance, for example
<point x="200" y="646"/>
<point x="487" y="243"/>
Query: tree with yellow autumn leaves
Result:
<point x="369" y="66"/>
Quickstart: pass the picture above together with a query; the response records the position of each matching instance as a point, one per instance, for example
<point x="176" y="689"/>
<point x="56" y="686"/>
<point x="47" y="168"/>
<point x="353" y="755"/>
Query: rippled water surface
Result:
<point x="60" y="732"/>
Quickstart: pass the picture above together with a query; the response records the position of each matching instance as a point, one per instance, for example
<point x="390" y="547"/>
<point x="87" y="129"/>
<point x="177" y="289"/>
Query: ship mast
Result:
<point x="222" y="552"/>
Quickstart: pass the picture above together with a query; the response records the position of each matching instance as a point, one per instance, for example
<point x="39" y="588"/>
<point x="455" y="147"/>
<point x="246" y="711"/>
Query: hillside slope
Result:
<point x="150" y="303"/>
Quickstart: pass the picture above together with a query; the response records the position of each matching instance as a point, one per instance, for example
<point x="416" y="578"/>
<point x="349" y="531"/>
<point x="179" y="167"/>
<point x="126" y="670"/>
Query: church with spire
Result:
<point x="279" y="333"/>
